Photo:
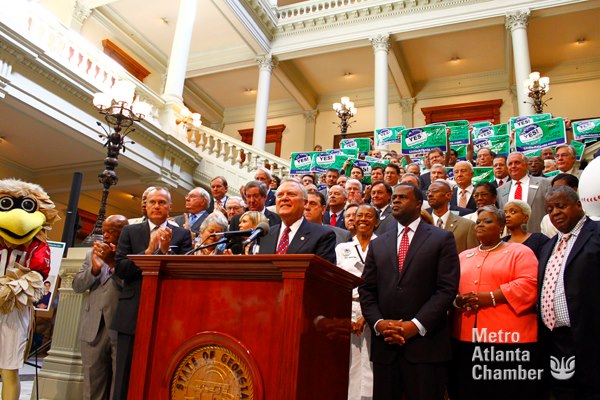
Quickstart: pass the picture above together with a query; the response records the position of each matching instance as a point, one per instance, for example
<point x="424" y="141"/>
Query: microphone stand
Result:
<point x="197" y="248"/>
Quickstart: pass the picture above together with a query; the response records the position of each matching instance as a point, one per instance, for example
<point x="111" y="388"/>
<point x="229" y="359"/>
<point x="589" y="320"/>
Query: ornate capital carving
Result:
<point x="310" y="116"/>
<point x="81" y="12"/>
<point x="266" y="62"/>
<point x="517" y="20"/>
<point x="408" y="104"/>
<point x="380" y="42"/>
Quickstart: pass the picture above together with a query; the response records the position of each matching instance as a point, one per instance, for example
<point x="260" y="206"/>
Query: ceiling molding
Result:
<point x="400" y="73"/>
<point x="221" y="60"/>
<point x="462" y="85"/>
<point x="277" y="109"/>
<point x="245" y="25"/>
<point x="572" y="71"/>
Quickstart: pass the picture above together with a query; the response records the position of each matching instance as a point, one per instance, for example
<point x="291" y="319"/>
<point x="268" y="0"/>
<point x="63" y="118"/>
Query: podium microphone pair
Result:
<point x="262" y="229"/>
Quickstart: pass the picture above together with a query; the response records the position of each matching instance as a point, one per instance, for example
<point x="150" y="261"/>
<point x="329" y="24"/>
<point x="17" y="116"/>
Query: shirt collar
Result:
<point x="413" y="226"/>
<point x="576" y="229"/>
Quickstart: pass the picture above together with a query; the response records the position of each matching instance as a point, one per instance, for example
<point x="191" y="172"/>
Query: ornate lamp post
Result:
<point x="537" y="88"/>
<point x="120" y="109"/>
<point x="344" y="110"/>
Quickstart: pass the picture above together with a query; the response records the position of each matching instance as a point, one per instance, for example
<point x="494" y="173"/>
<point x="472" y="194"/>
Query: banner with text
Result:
<point x="538" y="135"/>
<point x="421" y="140"/>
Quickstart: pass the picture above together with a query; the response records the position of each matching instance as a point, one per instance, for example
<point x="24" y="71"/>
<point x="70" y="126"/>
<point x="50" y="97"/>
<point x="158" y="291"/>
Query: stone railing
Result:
<point x="62" y="45"/>
<point x="224" y="155"/>
<point x="319" y="8"/>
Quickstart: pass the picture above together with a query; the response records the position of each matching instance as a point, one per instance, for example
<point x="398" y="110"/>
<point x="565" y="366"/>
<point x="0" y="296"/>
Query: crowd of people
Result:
<point x="471" y="291"/>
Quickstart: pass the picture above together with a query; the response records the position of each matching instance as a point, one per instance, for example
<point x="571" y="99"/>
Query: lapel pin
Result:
<point x="302" y="238"/>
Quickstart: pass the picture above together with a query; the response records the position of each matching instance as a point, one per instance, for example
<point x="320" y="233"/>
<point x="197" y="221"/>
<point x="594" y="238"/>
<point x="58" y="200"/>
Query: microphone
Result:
<point x="230" y="234"/>
<point x="261" y="230"/>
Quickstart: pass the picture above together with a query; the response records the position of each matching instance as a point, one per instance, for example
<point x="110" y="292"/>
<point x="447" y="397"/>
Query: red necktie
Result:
<point x="333" y="219"/>
<point x="551" y="279"/>
<point x="519" y="191"/>
<point x="500" y="182"/>
<point x="284" y="242"/>
<point x="403" y="248"/>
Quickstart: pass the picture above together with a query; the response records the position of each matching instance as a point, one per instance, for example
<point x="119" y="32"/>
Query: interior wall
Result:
<point x="574" y="100"/>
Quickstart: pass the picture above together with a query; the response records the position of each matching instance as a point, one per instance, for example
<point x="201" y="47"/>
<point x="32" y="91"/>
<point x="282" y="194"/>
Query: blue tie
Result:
<point x="193" y="219"/>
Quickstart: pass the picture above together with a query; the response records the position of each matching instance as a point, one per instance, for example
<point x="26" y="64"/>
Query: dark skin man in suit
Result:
<point x="407" y="304"/>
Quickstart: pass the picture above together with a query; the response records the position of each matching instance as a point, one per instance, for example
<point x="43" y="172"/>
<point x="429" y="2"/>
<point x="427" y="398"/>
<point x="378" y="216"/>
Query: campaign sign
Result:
<point x="461" y="151"/>
<point x="497" y="144"/>
<point x="579" y="148"/>
<point x="362" y="144"/>
<point x="301" y="162"/>
<point x="524" y="120"/>
<point x="322" y="161"/>
<point x="588" y="129"/>
<point x="487" y="131"/>
<point x="481" y="124"/>
<point x="365" y="166"/>
<point x="482" y="174"/>
<point x="388" y="135"/>
<point x="550" y="132"/>
<point x="421" y="140"/>
<point x="459" y="134"/>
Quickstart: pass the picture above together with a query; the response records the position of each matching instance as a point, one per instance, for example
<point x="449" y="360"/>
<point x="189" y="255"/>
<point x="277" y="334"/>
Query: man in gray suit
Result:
<point x="196" y="204"/>
<point x="530" y="189"/>
<point x="98" y="342"/>
<point x="314" y="211"/>
<point x="438" y="196"/>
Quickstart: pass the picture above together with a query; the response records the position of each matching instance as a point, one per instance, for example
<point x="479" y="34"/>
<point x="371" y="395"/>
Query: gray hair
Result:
<point x="494" y="210"/>
<point x="266" y="171"/>
<point x="300" y="185"/>
<point x="344" y="193"/>
<point x="262" y="188"/>
<point x="161" y="188"/>
<point x="525" y="209"/>
<point x="568" y="147"/>
<point x="202" y="193"/>
<point x="354" y="182"/>
<point x="565" y="191"/>
<point x="215" y="218"/>
<point x="518" y="153"/>
<point x="238" y="199"/>
<point x="464" y="163"/>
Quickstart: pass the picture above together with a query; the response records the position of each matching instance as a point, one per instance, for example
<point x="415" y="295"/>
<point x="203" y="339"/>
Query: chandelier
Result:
<point x="344" y="110"/>
<point x="537" y="88"/>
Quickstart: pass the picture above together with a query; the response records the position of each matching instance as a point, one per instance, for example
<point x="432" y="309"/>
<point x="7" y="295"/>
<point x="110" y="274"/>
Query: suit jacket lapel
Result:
<point x="300" y="238"/>
<point x="533" y="187"/>
<point x="450" y="223"/>
<point x="582" y="238"/>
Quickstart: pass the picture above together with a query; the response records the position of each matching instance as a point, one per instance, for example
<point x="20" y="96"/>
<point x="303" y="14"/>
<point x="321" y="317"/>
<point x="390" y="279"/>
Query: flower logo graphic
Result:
<point x="563" y="369"/>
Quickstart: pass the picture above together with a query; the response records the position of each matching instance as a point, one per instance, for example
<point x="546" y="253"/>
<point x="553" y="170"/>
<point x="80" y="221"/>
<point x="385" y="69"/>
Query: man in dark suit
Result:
<point x="155" y="236"/>
<point x="411" y="281"/>
<point x="500" y="171"/>
<point x="218" y="191"/>
<point x="296" y="235"/>
<point x="264" y="175"/>
<point x="336" y="202"/>
<point x="527" y="188"/>
<point x="381" y="196"/>
<point x="256" y="196"/>
<point x="313" y="212"/>
<point x="568" y="283"/>
<point x="196" y="204"/>
<point x="462" y="196"/>
<point x="463" y="229"/>
<point x="98" y="342"/>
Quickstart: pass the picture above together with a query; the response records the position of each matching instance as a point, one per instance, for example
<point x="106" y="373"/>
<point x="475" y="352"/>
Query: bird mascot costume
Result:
<point x="26" y="215"/>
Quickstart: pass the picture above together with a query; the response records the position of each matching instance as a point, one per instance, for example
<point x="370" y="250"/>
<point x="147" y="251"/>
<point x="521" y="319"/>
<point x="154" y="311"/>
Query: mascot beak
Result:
<point x="19" y="227"/>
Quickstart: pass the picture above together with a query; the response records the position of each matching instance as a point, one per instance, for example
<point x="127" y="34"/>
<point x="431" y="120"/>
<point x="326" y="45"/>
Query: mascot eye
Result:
<point x="6" y="203"/>
<point x="29" y="205"/>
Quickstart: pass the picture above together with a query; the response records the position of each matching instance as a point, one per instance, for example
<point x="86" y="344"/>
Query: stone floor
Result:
<point x="27" y="375"/>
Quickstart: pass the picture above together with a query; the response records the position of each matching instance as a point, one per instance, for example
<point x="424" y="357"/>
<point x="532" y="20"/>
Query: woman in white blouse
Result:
<point x="351" y="257"/>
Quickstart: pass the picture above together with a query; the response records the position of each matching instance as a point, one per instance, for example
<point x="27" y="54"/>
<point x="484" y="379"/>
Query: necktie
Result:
<point x="551" y="278"/>
<point x="193" y="219"/>
<point x="462" y="201"/>
<point x="500" y="182"/>
<point x="403" y="248"/>
<point x="440" y="223"/>
<point x="519" y="191"/>
<point x="284" y="242"/>
<point x="333" y="219"/>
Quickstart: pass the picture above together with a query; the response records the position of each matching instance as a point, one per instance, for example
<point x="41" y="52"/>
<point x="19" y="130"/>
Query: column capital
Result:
<point x="81" y="11"/>
<point x="380" y="42"/>
<point x="310" y="115"/>
<point x="517" y="20"/>
<point x="266" y="62"/>
<point x="408" y="103"/>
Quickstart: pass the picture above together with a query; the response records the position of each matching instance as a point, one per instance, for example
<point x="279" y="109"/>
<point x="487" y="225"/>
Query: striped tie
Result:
<point x="284" y="242"/>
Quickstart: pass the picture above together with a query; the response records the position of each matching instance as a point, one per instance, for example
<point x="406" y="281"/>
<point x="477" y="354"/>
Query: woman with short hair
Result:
<point x="517" y="214"/>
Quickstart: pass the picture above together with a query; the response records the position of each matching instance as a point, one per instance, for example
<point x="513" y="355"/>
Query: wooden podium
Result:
<point x="235" y="327"/>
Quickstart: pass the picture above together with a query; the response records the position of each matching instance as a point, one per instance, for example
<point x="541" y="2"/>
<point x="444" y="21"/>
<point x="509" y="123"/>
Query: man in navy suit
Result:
<point x="568" y="282"/>
<point x="411" y="273"/>
<point x="336" y="202"/>
<point x="264" y="175"/>
<point x="196" y="204"/>
<point x="296" y="235"/>
<point x="155" y="236"/>
<point x="462" y="196"/>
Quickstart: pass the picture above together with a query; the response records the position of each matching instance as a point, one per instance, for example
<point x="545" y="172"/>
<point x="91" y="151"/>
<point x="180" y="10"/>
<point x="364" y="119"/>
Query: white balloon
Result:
<point x="589" y="188"/>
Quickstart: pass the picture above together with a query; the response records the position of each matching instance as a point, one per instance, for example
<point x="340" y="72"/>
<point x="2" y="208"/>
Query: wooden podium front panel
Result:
<point x="292" y="316"/>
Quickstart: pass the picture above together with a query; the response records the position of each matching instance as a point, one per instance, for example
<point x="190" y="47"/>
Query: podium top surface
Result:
<point x="251" y="267"/>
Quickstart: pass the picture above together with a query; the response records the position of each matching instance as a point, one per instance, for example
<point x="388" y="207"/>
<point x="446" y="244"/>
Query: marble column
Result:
<point x="180" y="50"/>
<point x="310" y="118"/>
<point x="381" y="47"/>
<point x="265" y="67"/>
<point x="516" y="23"/>
<point x="61" y="376"/>
<point x="408" y="105"/>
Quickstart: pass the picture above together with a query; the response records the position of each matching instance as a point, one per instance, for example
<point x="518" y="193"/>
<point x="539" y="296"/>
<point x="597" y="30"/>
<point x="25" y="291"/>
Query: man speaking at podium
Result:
<point x="154" y="236"/>
<point x="295" y="234"/>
